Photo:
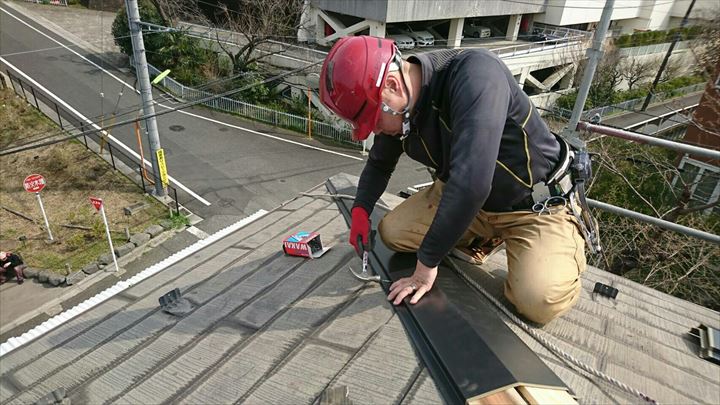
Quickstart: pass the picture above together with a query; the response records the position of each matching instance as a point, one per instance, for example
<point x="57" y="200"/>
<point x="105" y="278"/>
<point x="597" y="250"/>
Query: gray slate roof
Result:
<point x="270" y="328"/>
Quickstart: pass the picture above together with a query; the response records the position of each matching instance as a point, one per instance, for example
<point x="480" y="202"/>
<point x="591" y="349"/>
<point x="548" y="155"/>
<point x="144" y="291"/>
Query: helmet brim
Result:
<point x="365" y="122"/>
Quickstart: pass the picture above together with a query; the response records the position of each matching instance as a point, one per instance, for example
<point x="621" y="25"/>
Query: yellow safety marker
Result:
<point x="161" y="76"/>
<point x="161" y="165"/>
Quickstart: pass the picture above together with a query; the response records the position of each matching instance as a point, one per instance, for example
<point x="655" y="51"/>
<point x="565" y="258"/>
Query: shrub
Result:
<point x="75" y="242"/>
<point x="121" y="29"/>
<point x="656" y="37"/>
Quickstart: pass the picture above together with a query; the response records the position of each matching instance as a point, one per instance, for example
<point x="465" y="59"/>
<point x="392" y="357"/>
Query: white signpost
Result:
<point x="34" y="183"/>
<point x="98" y="204"/>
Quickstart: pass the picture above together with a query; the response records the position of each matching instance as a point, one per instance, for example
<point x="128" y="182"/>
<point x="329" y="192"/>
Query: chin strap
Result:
<point x="405" y="111"/>
<point x="405" y="114"/>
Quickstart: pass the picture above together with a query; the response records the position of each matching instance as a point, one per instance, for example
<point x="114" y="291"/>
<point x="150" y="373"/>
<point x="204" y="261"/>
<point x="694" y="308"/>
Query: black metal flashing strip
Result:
<point x="468" y="350"/>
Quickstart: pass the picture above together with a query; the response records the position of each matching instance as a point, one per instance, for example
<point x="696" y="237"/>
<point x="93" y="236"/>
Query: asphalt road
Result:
<point x="228" y="162"/>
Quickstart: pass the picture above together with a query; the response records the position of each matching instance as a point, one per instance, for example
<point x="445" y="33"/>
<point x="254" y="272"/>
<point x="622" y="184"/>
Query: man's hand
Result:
<point x="418" y="284"/>
<point x="360" y="226"/>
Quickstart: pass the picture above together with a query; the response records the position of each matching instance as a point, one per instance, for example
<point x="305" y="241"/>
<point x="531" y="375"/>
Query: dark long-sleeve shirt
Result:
<point x="11" y="260"/>
<point x="475" y="126"/>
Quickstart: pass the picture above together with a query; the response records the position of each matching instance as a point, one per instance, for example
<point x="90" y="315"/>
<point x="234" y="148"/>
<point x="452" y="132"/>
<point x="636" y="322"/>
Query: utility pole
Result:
<point x="595" y="53"/>
<point x="675" y="40"/>
<point x="141" y="70"/>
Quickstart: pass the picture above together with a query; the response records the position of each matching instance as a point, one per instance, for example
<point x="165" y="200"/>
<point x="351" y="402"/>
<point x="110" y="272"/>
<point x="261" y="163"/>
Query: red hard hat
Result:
<point x="352" y="79"/>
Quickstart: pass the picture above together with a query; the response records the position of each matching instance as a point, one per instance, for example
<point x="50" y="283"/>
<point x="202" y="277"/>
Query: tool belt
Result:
<point x="566" y="186"/>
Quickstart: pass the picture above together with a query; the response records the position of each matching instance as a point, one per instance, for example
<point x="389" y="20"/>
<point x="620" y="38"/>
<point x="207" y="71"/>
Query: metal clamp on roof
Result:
<point x="605" y="290"/>
<point x="174" y="304"/>
<point x="709" y="340"/>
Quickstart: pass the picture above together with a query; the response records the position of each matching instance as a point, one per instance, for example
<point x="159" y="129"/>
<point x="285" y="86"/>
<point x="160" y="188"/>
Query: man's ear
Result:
<point x="393" y="84"/>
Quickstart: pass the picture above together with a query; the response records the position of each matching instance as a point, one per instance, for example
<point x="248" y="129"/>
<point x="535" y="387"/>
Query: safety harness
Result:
<point x="567" y="182"/>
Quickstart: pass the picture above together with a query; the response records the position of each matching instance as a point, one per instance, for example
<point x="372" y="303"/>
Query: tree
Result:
<point x="673" y="68"/>
<point x="189" y="61"/>
<point x="608" y="76"/>
<point x="645" y="179"/>
<point x="259" y="23"/>
<point x="635" y="70"/>
<point x="121" y="29"/>
<point x="706" y="48"/>
<point x="254" y="26"/>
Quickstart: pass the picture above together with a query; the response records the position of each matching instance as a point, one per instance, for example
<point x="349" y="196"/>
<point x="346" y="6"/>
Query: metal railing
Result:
<point x="651" y="49"/>
<point x="70" y="123"/>
<point x="340" y="133"/>
<point x="558" y="37"/>
<point x="649" y="140"/>
<point x="631" y="105"/>
<point x="560" y="32"/>
<point x="51" y="2"/>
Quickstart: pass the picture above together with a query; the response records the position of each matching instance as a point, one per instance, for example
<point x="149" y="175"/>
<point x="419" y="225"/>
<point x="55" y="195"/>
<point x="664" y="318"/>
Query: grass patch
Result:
<point x="73" y="174"/>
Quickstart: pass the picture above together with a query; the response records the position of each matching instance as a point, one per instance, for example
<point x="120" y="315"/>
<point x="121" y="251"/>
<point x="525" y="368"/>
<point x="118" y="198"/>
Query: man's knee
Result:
<point x="542" y="304"/>
<point x="396" y="235"/>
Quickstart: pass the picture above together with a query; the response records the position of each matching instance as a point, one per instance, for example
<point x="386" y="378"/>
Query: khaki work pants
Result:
<point x="545" y="253"/>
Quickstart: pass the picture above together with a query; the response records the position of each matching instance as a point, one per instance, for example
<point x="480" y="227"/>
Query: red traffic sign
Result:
<point x="96" y="202"/>
<point x="34" y="183"/>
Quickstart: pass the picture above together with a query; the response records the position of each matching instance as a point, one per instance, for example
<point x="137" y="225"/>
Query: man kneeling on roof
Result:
<point x="463" y="114"/>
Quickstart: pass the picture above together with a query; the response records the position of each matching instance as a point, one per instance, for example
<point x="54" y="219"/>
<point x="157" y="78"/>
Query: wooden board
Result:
<point x="507" y="397"/>
<point x="537" y="396"/>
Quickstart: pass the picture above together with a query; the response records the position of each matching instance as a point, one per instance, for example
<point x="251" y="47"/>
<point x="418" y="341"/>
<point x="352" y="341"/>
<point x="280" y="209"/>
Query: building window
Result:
<point x="702" y="179"/>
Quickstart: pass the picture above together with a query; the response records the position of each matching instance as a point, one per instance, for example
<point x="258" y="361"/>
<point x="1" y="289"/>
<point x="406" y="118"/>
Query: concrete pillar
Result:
<point x="377" y="28"/>
<point x="513" y="27"/>
<point x="523" y="76"/>
<point x="305" y="31"/>
<point x="569" y="79"/>
<point x="319" y="28"/>
<point x="455" y="32"/>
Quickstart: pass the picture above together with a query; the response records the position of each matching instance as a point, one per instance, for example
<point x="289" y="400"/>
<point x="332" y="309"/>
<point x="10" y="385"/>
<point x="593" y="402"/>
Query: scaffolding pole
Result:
<point x="650" y="140"/>
<point x="655" y="221"/>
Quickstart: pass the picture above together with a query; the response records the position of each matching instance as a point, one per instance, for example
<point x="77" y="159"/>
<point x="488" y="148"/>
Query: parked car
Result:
<point x="475" y="30"/>
<point x="541" y="37"/>
<point x="538" y="37"/>
<point x="402" y="41"/>
<point x="422" y="38"/>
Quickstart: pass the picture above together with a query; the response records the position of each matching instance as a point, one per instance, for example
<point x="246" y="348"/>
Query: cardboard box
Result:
<point x="304" y="244"/>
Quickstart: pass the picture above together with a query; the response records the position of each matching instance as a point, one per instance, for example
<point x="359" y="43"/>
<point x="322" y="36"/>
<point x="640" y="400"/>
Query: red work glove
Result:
<point x="360" y="226"/>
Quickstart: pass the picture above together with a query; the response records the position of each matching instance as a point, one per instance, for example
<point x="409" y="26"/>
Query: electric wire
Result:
<point x="164" y="112"/>
<point x="71" y="45"/>
<point x="133" y="109"/>
<point x="168" y="97"/>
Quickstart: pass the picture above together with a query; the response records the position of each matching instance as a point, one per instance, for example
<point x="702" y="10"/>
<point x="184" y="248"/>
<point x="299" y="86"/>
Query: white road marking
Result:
<point x="197" y="232"/>
<point x="94" y="125"/>
<point x="182" y="112"/>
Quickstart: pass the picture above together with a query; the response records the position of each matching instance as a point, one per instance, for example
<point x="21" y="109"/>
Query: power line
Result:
<point x="124" y="112"/>
<point x="132" y="109"/>
<point x="71" y="45"/>
<point x="178" y="108"/>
